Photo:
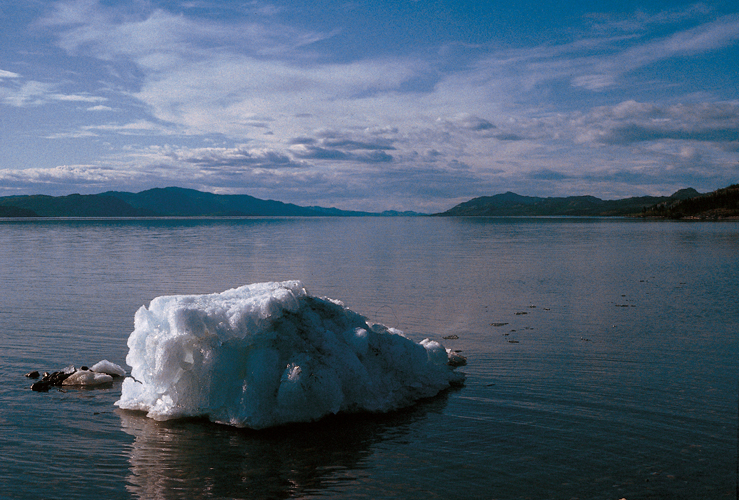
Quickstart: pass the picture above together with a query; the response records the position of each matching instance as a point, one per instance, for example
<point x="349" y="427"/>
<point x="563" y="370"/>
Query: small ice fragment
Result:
<point x="106" y="366"/>
<point x="86" y="377"/>
<point x="435" y="351"/>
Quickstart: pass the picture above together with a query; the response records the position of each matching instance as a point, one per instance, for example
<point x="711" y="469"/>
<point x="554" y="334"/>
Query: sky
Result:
<point x="402" y="105"/>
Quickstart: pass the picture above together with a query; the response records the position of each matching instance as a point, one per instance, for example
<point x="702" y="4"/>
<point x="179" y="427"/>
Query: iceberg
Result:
<point x="268" y="354"/>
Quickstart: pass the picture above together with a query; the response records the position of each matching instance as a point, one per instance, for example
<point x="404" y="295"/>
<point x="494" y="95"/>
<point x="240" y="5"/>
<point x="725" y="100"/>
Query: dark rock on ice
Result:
<point x="50" y="380"/>
<point x="101" y="373"/>
<point x="455" y="359"/>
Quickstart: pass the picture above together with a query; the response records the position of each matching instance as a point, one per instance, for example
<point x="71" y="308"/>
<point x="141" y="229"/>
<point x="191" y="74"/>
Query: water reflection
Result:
<point x="191" y="458"/>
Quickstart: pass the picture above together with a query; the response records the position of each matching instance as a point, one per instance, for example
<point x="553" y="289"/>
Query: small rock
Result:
<point x="33" y="374"/>
<point x="54" y="379"/>
<point x="456" y="359"/>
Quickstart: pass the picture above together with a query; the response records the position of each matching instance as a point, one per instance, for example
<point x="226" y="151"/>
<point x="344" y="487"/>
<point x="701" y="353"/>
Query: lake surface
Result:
<point x="602" y="358"/>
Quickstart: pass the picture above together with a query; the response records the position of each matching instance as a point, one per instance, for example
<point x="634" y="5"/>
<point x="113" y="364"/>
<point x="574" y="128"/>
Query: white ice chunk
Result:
<point x="435" y="351"/>
<point x="106" y="366"/>
<point x="86" y="377"/>
<point x="268" y="354"/>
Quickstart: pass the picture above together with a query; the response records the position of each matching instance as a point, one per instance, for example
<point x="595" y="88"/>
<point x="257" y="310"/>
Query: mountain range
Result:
<point x="683" y="204"/>
<point x="180" y="202"/>
<point x="719" y="204"/>
<point x="511" y="204"/>
<point x="159" y="202"/>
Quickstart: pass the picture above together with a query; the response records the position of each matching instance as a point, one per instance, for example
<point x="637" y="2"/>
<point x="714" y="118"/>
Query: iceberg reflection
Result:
<point x="194" y="458"/>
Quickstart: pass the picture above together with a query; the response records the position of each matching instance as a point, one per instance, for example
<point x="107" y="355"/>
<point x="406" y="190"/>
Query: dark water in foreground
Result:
<point x="614" y="375"/>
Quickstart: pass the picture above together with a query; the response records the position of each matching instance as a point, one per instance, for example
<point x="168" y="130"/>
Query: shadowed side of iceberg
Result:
<point x="268" y="354"/>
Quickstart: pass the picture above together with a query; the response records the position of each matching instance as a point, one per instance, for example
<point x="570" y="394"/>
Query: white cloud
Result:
<point x="77" y="134"/>
<point x="29" y="93"/>
<point x="632" y="122"/>
<point x="138" y="32"/>
<point x="235" y="158"/>
<point x="100" y="107"/>
<point x="75" y="98"/>
<point x="232" y="88"/>
<point x="233" y="94"/>
<point x="594" y="82"/>
<point x="58" y="179"/>
<point x="135" y="128"/>
<point x="34" y="93"/>
<point x="603" y="61"/>
<point x="8" y="74"/>
<point x="704" y="38"/>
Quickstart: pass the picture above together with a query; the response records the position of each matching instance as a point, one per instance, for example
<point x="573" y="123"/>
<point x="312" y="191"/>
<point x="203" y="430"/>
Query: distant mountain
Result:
<point x="719" y="204"/>
<point x="158" y="202"/>
<point x="74" y="205"/>
<point x="16" y="212"/>
<point x="511" y="204"/>
<point x="174" y="201"/>
<point x="180" y="202"/>
<point x="395" y="213"/>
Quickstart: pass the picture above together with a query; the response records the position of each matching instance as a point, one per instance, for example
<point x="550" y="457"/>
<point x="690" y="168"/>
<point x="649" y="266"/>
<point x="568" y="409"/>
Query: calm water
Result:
<point x="614" y="375"/>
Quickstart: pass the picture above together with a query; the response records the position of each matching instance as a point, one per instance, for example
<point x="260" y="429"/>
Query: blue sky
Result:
<point x="369" y="105"/>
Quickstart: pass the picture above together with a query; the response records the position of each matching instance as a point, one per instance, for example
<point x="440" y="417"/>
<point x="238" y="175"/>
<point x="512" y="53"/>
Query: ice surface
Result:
<point x="270" y="353"/>
<point x="108" y="367"/>
<point x="87" y="377"/>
